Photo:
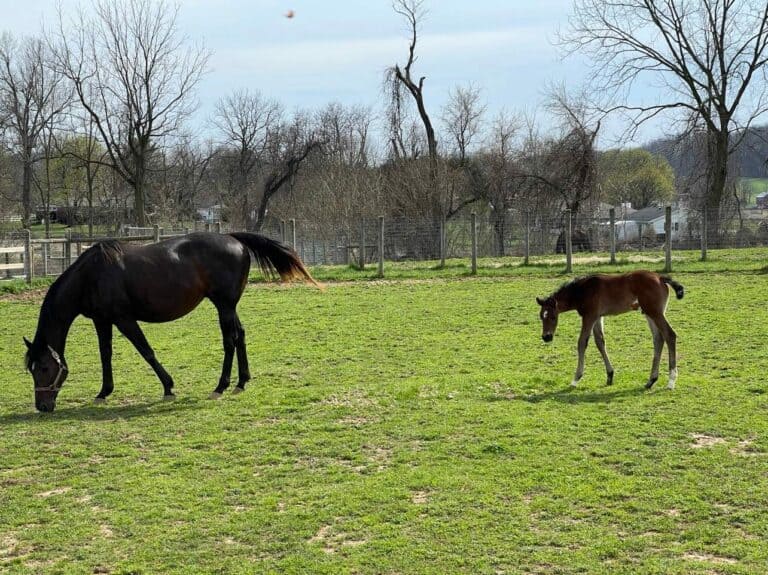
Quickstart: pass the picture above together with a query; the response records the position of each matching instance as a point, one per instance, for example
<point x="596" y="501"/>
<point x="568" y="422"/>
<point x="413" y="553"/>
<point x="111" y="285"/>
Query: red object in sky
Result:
<point x="290" y="14"/>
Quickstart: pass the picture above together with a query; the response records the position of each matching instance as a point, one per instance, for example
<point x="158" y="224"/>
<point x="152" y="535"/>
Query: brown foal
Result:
<point x="599" y="295"/>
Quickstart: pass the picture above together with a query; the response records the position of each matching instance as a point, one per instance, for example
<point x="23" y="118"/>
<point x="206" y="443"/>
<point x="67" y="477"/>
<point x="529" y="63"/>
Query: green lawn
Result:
<point x="755" y="187"/>
<point x="401" y="427"/>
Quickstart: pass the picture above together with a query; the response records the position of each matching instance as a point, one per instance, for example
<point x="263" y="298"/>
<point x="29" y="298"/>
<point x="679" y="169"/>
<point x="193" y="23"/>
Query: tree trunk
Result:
<point x="26" y="192"/>
<point x="718" y="177"/>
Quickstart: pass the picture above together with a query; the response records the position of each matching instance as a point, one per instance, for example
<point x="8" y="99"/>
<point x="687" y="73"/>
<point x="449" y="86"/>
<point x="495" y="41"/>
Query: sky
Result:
<point x="338" y="50"/>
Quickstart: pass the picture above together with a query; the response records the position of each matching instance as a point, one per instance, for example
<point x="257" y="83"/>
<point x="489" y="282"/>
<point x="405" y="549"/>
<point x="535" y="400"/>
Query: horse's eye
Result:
<point x="44" y="369"/>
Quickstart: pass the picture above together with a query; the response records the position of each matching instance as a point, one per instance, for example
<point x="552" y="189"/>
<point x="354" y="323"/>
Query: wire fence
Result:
<point x="394" y="239"/>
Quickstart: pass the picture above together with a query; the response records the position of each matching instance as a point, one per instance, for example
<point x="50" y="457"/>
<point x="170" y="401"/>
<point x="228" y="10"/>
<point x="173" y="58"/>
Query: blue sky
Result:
<point x="337" y="50"/>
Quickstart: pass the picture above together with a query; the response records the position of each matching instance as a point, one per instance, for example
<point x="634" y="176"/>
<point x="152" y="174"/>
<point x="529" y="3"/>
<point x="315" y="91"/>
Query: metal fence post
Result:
<point x="292" y="222"/>
<point x="218" y="227"/>
<point x="527" y="247"/>
<point x="28" y="258"/>
<point x="156" y="233"/>
<point x="668" y="238"/>
<point x="568" y="244"/>
<point x="612" y="241"/>
<point x="704" y="235"/>
<point x="381" y="246"/>
<point x="473" y="228"/>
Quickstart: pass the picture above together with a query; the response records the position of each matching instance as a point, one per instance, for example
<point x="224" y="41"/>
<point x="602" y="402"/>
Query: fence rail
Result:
<point x="372" y="241"/>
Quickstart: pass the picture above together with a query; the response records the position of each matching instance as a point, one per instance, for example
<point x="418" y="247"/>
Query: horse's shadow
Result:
<point x="575" y="395"/>
<point x="90" y="412"/>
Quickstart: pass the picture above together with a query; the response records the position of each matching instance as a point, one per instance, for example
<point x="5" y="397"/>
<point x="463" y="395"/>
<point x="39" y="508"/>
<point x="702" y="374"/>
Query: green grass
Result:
<point x="400" y="427"/>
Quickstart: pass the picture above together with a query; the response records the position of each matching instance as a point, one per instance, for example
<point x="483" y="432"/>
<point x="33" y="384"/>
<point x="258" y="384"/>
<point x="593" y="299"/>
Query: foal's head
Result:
<point x="548" y="316"/>
<point x="48" y="371"/>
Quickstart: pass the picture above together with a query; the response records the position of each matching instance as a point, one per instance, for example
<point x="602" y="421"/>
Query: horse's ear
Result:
<point x="29" y="343"/>
<point x="539" y="300"/>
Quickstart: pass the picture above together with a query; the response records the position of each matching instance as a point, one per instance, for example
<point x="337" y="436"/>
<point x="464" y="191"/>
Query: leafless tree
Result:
<point x="710" y="55"/>
<point x="134" y="76"/>
<point x="462" y="117"/>
<point x="246" y="122"/>
<point x="31" y="97"/>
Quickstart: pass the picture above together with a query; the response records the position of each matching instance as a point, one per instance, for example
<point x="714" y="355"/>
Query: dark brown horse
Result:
<point x="120" y="284"/>
<point x="599" y="295"/>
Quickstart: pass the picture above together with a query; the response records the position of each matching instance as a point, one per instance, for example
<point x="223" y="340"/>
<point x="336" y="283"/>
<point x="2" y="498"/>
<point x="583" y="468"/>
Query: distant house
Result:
<point x="762" y="200"/>
<point x="640" y="221"/>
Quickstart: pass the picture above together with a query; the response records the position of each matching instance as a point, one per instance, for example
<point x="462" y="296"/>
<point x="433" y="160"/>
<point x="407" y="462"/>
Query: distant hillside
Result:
<point x="751" y="158"/>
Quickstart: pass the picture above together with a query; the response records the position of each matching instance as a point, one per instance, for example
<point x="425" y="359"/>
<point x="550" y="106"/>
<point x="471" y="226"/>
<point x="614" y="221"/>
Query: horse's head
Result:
<point x="48" y="370"/>
<point x="548" y="316"/>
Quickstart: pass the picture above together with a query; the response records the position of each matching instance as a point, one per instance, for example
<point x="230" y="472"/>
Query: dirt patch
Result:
<point x="333" y="541"/>
<point x="701" y="441"/>
<point x="32" y="295"/>
<point x="52" y="492"/>
<point x="744" y="449"/>
<point x="707" y="558"/>
<point x="420" y="497"/>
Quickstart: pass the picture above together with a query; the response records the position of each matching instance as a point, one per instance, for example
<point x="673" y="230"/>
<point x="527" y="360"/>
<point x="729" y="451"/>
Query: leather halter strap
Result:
<point x="57" y="382"/>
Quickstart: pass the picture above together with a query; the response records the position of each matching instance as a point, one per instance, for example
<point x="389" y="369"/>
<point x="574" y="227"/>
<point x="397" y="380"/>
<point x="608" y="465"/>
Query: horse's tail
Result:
<point x="679" y="291"/>
<point x="274" y="257"/>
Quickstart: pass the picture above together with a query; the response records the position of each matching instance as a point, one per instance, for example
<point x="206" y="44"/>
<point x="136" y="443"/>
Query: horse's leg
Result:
<point x="597" y="329"/>
<point x="131" y="330"/>
<point x="586" y="327"/>
<point x="243" y="373"/>
<point x="670" y="337"/>
<point x="104" y="331"/>
<point x="228" y="322"/>
<point x="658" y="345"/>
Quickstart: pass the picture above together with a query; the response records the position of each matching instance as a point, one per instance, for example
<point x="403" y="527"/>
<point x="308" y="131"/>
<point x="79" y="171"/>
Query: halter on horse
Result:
<point x="599" y="295"/>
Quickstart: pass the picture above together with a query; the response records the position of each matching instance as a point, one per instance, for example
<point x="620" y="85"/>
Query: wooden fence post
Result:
<point x="28" y="256"/>
<point x="156" y="233"/>
<point x="442" y="241"/>
<point x="68" y="247"/>
<point x="568" y="243"/>
<point x="293" y="233"/>
<point x="473" y="231"/>
<point x="362" y="244"/>
<point x="381" y="247"/>
<point x="704" y="232"/>
<point x="668" y="238"/>
<point x="612" y="242"/>
<point x="527" y="247"/>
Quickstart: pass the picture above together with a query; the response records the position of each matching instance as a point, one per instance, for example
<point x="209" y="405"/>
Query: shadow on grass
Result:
<point x="574" y="395"/>
<point x="90" y="412"/>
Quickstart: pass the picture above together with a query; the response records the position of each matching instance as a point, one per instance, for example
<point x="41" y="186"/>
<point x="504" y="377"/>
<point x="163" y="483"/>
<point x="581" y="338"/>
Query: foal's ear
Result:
<point x="539" y="300"/>
<point x="29" y="343"/>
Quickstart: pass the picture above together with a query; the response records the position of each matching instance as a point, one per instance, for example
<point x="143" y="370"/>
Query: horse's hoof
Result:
<point x="650" y="383"/>
<point x="169" y="397"/>
<point x="574" y="383"/>
<point x="215" y="395"/>
<point x="609" y="381"/>
<point x="237" y="390"/>
<point x="671" y="385"/>
<point x="100" y="401"/>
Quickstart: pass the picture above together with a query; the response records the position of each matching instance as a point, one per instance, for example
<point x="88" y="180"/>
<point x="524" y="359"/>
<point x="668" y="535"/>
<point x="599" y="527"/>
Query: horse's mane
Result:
<point x="572" y="287"/>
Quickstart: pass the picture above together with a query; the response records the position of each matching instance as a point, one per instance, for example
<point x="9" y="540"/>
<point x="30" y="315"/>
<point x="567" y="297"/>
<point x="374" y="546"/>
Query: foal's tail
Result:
<point x="679" y="291"/>
<point x="274" y="257"/>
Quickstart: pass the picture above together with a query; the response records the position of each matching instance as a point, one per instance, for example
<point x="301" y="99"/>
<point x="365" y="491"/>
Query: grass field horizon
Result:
<point x="417" y="425"/>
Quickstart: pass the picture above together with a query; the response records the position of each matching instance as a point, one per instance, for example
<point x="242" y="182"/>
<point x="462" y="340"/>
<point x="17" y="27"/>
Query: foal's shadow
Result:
<point x="90" y="412"/>
<point x="576" y="395"/>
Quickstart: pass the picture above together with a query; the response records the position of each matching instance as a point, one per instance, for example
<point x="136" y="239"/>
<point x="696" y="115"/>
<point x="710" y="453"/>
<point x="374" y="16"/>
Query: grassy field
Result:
<point x="410" y="426"/>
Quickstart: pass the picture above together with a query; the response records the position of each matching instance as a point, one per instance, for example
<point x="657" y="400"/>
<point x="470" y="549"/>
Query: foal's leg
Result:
<point x="597" y="329"/>
<point x="228" y="322"/>
<point x="104" y="331"/>
<point x="586" y="327"/>
<point x="658" y="345"/>
<point x="131" y="330"/>
<point x="671" y="338"/>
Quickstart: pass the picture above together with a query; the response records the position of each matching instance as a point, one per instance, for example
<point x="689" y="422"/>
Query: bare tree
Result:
<point x="462" y="116"/>
<point x="31" y="96"/>
<point x="134" y="76"/>
<point x="502" y="173"/>
<point x="246" y="122"/>
<point x="397" y="78"/>
<point x="710" y="54"/>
